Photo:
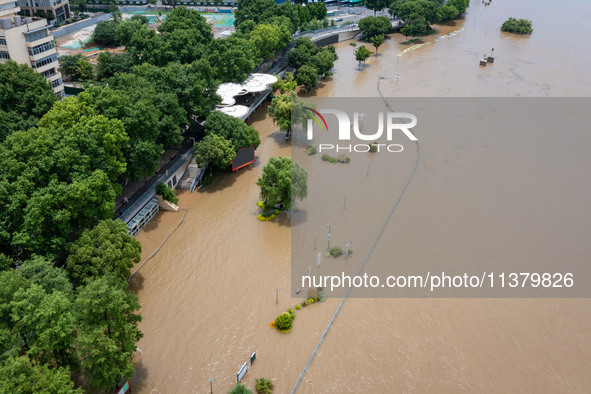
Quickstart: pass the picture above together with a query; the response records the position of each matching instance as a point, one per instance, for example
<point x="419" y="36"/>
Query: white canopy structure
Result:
<point x="237" y="111"/>
<point x="255" y="83"/>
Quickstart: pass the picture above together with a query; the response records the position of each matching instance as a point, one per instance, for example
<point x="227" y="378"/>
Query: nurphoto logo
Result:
<point x="392" y="124"/>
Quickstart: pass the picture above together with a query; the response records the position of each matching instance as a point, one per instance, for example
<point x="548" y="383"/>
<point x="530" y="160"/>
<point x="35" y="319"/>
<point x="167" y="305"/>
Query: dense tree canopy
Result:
<point x="269" y="38"/>
<point x="307" y="76"/>
<point x="20" y="375"/>
<point x="105" y="33"/>
<point x="104" y="249"/>
<point x="419" y="14"/>
<point x="306" y="53"/>
<point x="409" y="10"/>
<point x="287" y="84"/>
<point x="149" y="118"/>
<point x="232" y="58"/>
<point x="282" y="181"/>
<point x="521" y="26"/>
<point x="416" y="26"/>
<point x="24" y="97"/>
<point x="372" y="26"/>
<point x="58" y="178"/>
<point x="215" y="150"/>
<point x="106" y="331"/>
<point x="47" y="331"/>
<point x="109" y="64"/>
<point x="376" y="5"/>
<point x="239" y="133"/>
<point x="193" y="84"/>
<point x="447" y="13"/>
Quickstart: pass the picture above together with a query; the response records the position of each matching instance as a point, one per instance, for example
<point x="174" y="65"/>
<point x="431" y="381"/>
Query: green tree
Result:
<point x="269" y="38"/>
<point x="362" y="53"/>
<point x="105" y="33"/>
<point x="282" y="181"/>
<point x="246" y="27"/>
<point x="377" y="41"/>
<point x="85" y="69"/>
<point x="447" y="13"/>
<point x="45" y="324"/>
<point x="520" y="26"/>
<point x="239" y="388"/>
<point x="372" y="26"/>
<point x="126" y="29"/>
<point x="231" y="58"/>
<point x="167" y="193"/>
<point x="111" y="63"/>
<point x="107" y="331"/>
<point x="140" y="18"/>
<point x="287" y="110"/>
<point x="324" y="60"/>
<point x="147" y="46"/>
<point x="303" y="52"/>
<point x="460" y="5"/>
<point x="69" y="66"/>
<point x="24" y="97"/>
<point x="60" y="178"/>
<point x="215" y="150"/>
<point x="39" y="270"/>
<point x="186" y="19"/>
<point x="307" y="76"/>
<point x="20" y="375"/>
<point x="254" y="10"/>
<point x="239" y="133"/>
<point x="106" y="248"/>
<point x="412" y="10"/>
<point x="416" y="27"/>
<point x="375" y="5"/>
<point x="287" y="84"/>
<point x="151" y="119"/>
<point x="193" y="84"/>
<point x="264" y="386"/>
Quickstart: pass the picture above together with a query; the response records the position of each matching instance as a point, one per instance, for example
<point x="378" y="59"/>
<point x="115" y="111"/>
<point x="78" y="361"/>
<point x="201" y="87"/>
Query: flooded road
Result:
<point x="208" y="296"/>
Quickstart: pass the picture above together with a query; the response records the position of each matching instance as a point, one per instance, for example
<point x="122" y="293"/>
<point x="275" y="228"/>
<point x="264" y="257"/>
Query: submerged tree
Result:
<point x="281" y="182"/>
<point x="520" y="26"/>
<point x="377" y="41"/>
<point x="287" y="111"/>
<point x="362" y="53"/>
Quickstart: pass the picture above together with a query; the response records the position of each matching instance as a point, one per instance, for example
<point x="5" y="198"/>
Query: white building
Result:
<point x="59" y="9"/>
<point x="28" y="41"/>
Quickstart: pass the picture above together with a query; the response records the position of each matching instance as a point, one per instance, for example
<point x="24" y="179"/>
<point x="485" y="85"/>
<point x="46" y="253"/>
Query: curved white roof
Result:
<point x="237" y="111"/>
<point x="256" y="82"/>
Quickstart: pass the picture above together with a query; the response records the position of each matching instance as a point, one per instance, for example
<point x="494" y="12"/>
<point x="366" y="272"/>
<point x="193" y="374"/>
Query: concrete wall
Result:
<point x="349" y="35"/>
<point x="174" y="178"/>
<point x="327" y="40"/>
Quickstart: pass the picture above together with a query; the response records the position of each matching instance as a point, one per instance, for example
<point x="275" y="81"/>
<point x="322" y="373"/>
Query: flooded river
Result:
<point x="209" y="295"/>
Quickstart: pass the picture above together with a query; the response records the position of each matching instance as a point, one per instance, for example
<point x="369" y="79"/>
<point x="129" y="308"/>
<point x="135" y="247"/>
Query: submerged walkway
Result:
<point x="362" y="266"/>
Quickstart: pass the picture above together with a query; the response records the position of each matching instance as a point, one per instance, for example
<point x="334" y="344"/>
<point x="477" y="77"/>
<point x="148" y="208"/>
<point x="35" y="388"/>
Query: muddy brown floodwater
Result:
<point x="208" y="296"/>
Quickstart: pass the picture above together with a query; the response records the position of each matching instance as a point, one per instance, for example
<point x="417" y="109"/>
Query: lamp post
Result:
<point x="347" y="249"/>
<point x="277" y="295"/>
<point x="328" y="225"/>
<point x="211" y="385"/>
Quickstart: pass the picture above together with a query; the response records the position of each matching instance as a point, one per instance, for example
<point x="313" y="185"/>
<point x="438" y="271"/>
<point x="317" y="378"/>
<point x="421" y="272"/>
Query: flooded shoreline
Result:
<point x="208" y="296"/>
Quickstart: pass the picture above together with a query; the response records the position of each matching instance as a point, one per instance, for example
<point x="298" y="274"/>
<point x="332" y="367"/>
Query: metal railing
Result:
<point x="138" y="204"/>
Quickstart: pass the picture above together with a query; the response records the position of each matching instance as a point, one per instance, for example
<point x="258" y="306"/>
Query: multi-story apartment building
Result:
<point x="28" y="41"/>
<point x="60" y="9"/>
